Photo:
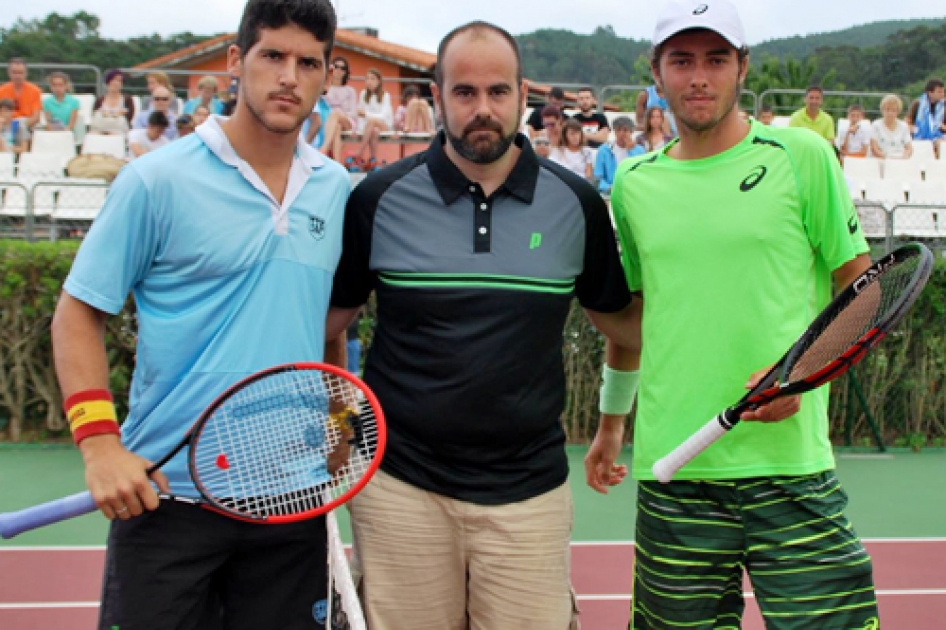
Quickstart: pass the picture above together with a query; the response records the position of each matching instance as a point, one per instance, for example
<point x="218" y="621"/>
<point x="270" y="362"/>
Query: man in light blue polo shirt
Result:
<point x="228" y="240"/>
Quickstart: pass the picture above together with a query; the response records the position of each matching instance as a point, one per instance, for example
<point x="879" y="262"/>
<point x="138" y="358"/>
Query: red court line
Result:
<point x="57" y="588"/>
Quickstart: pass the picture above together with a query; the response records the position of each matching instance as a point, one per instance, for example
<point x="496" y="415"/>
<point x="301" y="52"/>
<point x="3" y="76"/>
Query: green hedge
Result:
<point x="901" y="380"/>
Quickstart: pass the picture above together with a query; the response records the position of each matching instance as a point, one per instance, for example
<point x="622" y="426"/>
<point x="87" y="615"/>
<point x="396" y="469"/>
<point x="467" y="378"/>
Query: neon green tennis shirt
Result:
<point x="734" y="255"/>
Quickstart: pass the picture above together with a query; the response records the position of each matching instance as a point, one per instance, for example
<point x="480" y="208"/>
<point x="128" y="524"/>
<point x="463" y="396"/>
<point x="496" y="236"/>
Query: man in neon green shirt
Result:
<point x="732" y="235"/>
<point x="811" y="116"/>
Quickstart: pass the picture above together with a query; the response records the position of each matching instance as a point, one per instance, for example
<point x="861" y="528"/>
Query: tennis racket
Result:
<point x="855" y="321"/>
<point x="282" y="445"/>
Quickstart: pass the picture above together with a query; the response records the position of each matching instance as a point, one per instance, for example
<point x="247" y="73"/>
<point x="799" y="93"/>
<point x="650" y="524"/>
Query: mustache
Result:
<point x="483" y="125"/>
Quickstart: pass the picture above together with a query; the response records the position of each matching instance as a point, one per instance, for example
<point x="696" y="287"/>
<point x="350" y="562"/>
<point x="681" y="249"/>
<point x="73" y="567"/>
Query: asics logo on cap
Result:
<point x="700" y="10"/>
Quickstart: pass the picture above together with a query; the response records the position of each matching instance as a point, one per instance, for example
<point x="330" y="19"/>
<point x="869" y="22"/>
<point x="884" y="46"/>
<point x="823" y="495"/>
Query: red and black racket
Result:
<point x="855" y="321"/>
<point x="286" y="444"/>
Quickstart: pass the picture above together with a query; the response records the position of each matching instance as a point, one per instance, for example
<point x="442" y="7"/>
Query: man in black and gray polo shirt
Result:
<point x="475" y="248"/>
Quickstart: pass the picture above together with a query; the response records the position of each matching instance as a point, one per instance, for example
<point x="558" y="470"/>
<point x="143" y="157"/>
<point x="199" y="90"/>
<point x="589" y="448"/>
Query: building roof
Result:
<point x="367" y="45"/>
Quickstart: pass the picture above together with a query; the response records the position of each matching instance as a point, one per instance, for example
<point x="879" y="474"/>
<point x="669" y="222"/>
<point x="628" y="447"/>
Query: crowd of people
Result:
<point x="348" y="125"/>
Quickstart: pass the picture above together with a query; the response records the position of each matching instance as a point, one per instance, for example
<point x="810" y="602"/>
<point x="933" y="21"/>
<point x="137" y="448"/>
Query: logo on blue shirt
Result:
<point x="317" y="228"/>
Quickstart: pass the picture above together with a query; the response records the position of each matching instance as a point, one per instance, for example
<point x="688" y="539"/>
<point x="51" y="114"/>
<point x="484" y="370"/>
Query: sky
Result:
<point x="421" y="23"/>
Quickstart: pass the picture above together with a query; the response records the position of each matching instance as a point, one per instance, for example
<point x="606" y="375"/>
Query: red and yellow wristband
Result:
<point x="91" y="412"/>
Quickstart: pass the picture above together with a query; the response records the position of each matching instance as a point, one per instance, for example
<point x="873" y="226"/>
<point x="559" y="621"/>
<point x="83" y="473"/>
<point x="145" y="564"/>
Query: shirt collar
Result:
<point x="451" y="183"/>
<point x="216" y="140"/>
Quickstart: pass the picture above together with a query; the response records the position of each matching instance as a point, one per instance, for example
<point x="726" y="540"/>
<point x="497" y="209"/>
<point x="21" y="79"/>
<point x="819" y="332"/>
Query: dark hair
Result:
<point x="766" y="109"/>
<point x="557" y="92"/>
<point x="158" y="119"/>
<point x="932" y="84"/>
<point x="111" y="74"/>
<point x="551" y="110"/>
<point x="409" y="91"/>
<point x="651" y="110"/>
<point x="571" y="123"/>
<point x="856" y="107"/>
<point x="814" y="88"/>
<point x="586" y="89"/>
<point x="182" y="121"/>
<point x="7" y="103"/>
<point x="475" y="26"/>
<point x="315" y="16"/>
<point x="347" y="68"/>
<point x="656" y="51"/>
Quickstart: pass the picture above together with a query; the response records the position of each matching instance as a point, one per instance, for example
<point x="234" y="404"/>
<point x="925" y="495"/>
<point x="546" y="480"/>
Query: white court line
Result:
<point x="581" y="598"/>
<point x="750" y="595"/>
<point x="627" y="543"/>
<point x="575" y="543"/>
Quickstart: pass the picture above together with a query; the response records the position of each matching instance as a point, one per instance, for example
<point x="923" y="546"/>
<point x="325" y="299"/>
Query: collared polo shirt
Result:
<point x="227" y="280"/>
<point x="822" y="124"/>
<point x="473" y="293"/>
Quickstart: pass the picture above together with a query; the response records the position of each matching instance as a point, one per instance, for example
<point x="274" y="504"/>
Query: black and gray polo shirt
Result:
<point x="473" y="293"/>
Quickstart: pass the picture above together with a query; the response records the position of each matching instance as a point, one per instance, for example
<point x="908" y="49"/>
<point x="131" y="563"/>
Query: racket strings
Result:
<point x="866" y="310"/>
<point x="280" y="446"/>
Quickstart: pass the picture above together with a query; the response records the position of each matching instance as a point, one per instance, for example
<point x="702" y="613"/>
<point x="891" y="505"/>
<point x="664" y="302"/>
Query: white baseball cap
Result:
<point x="719" y="16"/>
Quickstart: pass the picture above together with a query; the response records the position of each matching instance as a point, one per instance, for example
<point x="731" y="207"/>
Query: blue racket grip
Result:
<point x="13" y="523"/>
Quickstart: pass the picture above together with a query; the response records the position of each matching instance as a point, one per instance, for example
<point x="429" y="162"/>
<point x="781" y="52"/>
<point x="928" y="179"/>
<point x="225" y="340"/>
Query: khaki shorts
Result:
<point x="428" y="562"/>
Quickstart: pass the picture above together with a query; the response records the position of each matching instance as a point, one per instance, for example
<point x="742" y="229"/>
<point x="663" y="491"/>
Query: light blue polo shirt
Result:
<point x="227" y="281"/>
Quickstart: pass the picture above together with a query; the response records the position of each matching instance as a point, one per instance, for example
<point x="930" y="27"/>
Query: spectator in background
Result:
<point x="551" y="118"/>
<point x="594" y="124"/>
<point x="540" y="145"/>
<point x="61" y="107"/>
<point x="572" y="153"/>
<point x="556" y="98"/>
<point x="891" y="136"/>
<point x="185" y="125"/>
<point x="856" y="139"/>
<point x="375" y="117"/>
<point x="201" y="113"/>
<point x="353" y="345"/>
<point x="313" y="129"/>
<point x="231" y="97"/>
<point x="26" y="96"/>
<point x="811" y="116"/>
<point x="141" y="141"/>
<point x="160" y="102"/>
<point x="14" y="137"/>
<point x="927" y="115"/>
<point x="766" y="115"/>
<point x="207" y="96"/>
<point x="114" y="111"/>
<point x="414" y="114"/>
<point x="159" y="79"/>
<point x="343" y="100"/>
<point x="653" y="97"/>
<point x="654" y="136"/>
<point x="610" y="154"/>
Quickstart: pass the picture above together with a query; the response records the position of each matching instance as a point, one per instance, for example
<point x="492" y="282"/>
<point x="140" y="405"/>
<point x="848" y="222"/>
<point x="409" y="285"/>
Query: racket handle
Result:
<point x="13" y="523"/>
<point x="666" y="467"/>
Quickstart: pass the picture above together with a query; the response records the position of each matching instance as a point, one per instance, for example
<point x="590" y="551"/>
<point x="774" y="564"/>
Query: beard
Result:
<point x="706" y="125"/>
<point x="259" y="114"/>
<point x="480" y="151"/>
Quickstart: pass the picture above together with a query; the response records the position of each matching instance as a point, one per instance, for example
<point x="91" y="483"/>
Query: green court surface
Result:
<point x="902" y="495"/>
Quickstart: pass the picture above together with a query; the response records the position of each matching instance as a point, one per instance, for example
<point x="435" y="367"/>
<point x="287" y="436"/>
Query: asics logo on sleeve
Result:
<point x="752" y="180"/>
<point x="700" y="10"/>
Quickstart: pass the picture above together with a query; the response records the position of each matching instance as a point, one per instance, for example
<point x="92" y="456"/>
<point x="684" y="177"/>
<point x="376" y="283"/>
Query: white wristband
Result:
<point x="618" y="388"/>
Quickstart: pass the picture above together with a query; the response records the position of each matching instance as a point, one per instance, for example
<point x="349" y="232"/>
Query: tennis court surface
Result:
<point x="50" y="579"/>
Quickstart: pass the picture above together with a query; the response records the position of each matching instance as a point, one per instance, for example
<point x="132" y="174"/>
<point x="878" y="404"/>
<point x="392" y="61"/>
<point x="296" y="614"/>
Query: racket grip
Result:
<point x="13" y="523"/>
<point x="666" y="467"/>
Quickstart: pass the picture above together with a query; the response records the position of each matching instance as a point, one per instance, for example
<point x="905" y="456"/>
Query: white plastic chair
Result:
<point x="931" y="192"/>
<point x="886" y="191"/>
<point x="862" y="168"/>
<point x="58" y="142"/>
<point x="904" y="170"/>
<point x="7" y="161"/>
<point x="108" y="144"/>
<point x="923" y="151"/>
<point x="935" y="170"/>
<point x="41" y="165"/>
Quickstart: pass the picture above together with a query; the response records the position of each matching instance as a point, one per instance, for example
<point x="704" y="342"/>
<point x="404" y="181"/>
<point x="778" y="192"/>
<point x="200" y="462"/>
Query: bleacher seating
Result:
<point x="903" y="170"/>
<point x="7" y="162"/>
<point x="863" y="168"/>
<point x="923" y="151"/>
<point x="935" y="170"/>
<point x="40" y="165"/>
<point x="886" y="191"/>
<point x="931" y="192"/>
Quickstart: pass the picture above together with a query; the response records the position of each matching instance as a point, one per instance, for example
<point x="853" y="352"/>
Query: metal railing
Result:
<point x="98" y="86"/>
<point x="853" y="96"/>
<point x="50" y="208"/>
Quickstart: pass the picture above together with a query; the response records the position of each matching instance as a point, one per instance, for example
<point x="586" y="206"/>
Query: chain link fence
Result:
<point x="49" y="208"/>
